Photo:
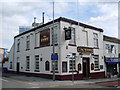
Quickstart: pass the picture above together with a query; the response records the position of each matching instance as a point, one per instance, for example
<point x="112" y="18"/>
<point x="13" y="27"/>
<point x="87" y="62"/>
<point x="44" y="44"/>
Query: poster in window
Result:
<point x="64" y="66"/>
<point x="45" y="38"/>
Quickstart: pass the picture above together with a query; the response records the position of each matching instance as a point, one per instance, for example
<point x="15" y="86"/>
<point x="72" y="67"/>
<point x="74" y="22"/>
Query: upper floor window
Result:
<point x="72" y="41"/>
<point x="28" y="42"/>
<point x="55" y="33"/>
<point x="18" y="45"/>
<point x="110" y="48"/>
<point x="85" y="38"/>
<point x="95" y="39"/>
<point x="37" y="39"/>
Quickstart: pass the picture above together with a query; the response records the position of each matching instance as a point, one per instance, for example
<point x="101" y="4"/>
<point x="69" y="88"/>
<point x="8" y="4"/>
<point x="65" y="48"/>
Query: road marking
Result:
<point x="33" y="83"/>
<point x="34" y="87"/>
<point x="3" y="80"/>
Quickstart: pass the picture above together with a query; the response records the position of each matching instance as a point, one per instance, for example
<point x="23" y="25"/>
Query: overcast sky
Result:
<point x="14" y="13"/>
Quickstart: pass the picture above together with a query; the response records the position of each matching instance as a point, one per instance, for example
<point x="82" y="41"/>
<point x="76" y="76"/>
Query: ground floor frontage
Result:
<point x="112" y="66"/>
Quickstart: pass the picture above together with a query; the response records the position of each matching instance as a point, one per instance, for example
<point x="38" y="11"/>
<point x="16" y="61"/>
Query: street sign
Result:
<point x="54" y="56"/>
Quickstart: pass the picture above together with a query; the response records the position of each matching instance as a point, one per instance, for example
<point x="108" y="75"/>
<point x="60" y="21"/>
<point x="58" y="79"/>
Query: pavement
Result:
<point x="105" y="82"/>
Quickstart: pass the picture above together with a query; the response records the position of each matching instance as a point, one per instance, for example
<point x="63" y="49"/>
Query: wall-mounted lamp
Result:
<point x="31" y="33"/>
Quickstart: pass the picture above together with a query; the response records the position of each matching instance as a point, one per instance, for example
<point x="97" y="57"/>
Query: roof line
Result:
<point x="65" y="20"/>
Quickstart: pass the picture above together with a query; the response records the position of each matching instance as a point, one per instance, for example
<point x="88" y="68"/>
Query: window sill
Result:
<point x="73" y="71"/>
<point x="96" y="69"/>
<point x="55" y="72"/>
<point x="37" y="70"/>
<point x="36" y="47"/>
<point x="72" y="44"/>
<point x="27" y="70"/>
<point x="95" y="48"/>
<point x="54" y="44"/>
<point x="27" y="49"/>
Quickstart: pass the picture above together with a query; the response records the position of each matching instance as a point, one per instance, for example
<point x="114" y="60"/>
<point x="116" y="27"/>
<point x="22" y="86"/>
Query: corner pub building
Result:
<point x="32" y="50"/>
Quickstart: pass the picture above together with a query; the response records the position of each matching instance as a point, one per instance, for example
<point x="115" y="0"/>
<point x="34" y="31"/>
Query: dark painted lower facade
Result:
<point x="94" y="75"/>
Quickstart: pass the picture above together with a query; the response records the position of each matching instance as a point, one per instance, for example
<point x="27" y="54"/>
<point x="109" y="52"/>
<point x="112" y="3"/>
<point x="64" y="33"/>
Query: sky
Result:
<point x="14" y="13"/>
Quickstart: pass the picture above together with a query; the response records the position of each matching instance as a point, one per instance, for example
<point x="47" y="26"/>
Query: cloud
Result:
<point x="17" y="13"/>
<point x="108" y="20"/>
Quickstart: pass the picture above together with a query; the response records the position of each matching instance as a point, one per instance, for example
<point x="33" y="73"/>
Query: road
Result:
<point x="16" y="83"/>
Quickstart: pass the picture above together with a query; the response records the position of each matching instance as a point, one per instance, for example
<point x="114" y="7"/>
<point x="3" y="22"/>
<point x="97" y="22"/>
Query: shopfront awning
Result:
<point x="112" y="60"/>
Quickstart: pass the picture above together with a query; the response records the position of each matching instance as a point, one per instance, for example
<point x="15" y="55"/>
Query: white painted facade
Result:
<point x="63" y="49"/>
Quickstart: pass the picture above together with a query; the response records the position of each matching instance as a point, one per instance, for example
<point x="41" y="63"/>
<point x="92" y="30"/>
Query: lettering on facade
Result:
<point x="45" y="38"/>
<point x="82" y="49"/>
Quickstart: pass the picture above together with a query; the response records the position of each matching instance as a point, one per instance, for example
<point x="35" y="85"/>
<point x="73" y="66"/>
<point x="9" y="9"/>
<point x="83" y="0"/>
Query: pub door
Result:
<point x="86" y="67"/>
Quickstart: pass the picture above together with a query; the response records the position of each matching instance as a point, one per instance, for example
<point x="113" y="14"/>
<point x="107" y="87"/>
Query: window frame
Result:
<point x="72" y="41"/>
<point x="56" y="65"/>
<point x="96" y="62"/>
<point x="27" y="62"/>
<point x="70" y="64"/>
<point x="18" y="45"/>
<point x="55" y="35"/>
<point x="95" y="40"/>
<point x="28" y="42"/>
<point x="37" y="62"/>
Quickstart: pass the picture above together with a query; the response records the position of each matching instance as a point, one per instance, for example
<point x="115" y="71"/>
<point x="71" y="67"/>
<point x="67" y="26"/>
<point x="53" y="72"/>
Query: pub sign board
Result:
<point x="83" y="49"/>
<point x="68" y="34"/>
<point x="45" y="38"/>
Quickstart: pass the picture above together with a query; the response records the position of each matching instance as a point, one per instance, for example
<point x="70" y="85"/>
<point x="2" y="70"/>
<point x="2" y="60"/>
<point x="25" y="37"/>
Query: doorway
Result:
<point x="86" y="67"/>
<point x="18" y="67"/>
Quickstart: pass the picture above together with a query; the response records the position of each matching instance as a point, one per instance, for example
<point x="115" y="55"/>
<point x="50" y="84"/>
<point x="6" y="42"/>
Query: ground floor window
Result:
<point x="96" y="62"/>
<point x="112" y="68"/>
<point x="36" y="62"/>
<point x="72" y="64"/>
<point x="64" y="66"/>
<point x="27" y="62"/>
<point x="55" y="63"/>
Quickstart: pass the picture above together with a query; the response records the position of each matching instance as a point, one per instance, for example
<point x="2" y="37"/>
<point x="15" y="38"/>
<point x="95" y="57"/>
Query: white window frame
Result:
<point x="95" y="40"/>
<point x="37" y="66"/>
<point x="28" y="42"/>
<point x="56" y="65"/>
<point x="86" y="38"/>
<point x="73" y="36"/>
<point x="27" y="62"/>
<point x="18" y="45"/>
<point x="37" y="39"/>
<point x="70" y="64"/>
<point x="55" y="34"/>
<point x="96" y="62"/>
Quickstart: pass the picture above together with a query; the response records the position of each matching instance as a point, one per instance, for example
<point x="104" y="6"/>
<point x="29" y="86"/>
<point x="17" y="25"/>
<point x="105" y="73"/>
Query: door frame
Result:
<point x="86" y="73"/>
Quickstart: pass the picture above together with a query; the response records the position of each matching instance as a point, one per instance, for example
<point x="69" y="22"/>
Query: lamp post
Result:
<point x="53" y="46"/>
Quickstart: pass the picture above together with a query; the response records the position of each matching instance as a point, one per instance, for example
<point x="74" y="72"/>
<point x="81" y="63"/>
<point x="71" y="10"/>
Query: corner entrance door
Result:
<point x="86" y="67"/>
<point x="18" y="67"/>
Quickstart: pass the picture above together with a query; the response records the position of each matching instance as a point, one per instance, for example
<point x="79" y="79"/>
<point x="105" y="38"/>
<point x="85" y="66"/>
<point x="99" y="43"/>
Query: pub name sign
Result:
<point x="83" y="49"/>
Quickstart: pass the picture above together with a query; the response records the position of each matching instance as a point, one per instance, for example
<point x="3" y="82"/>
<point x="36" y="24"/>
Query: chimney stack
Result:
<point x="43" y="17"/>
